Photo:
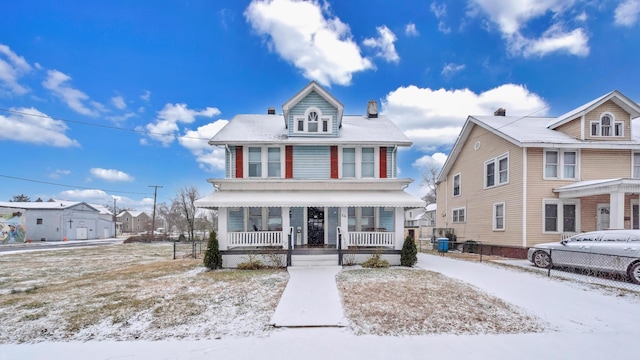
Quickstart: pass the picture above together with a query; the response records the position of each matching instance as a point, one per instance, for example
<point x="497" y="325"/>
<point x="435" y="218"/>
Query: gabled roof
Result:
<point x="134" y="214"/>
<point x="529" y="131"/>
<point x="312" y="86"/>
<point x="616" y="96"/>
<point x="49" y="205"/>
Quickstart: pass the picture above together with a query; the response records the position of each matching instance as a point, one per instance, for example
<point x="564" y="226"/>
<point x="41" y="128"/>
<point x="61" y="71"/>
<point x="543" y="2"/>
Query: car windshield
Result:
<point x="615" y="237"/>
<point x="585" y="237"/>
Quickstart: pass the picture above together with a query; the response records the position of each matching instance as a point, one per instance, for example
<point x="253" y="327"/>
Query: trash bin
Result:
<point x="443" y="244"/>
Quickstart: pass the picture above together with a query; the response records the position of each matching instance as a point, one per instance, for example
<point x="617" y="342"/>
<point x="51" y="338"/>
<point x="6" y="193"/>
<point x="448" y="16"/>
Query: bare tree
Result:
<point x="185" y="201"/>
<point x="20" y="198"/>
<point x="429" y="180"/>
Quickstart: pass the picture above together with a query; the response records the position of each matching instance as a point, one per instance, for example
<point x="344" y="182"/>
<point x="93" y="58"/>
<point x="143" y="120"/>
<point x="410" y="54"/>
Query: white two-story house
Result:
<point x="310" y="183"/>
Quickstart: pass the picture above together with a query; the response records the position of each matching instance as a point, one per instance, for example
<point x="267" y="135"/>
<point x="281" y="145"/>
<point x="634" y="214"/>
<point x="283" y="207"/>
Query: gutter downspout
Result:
<point x="524" y="197"/>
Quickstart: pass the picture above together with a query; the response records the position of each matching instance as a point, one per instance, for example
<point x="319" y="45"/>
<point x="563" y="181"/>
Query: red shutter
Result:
<point x="239" y="172"/>
<point x="383" y="162"/>
<point x="334" y="162"/>
<point x="288" y="162"/>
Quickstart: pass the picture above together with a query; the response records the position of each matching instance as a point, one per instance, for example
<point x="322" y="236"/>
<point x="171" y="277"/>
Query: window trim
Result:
<point x="455" y="215"/>
<point x="633" y="165"/>
<point x="496" y="171"/>
<point x="595" y="126"/>
<point x="459" y="187"/>
<point x="560" y="211"/>
<point x="305" y="119"/>
<point x="358" y="162"/>
<point x="561" y="164"/>
<point x="264" y="162"/>
<point x="495" y="216"/>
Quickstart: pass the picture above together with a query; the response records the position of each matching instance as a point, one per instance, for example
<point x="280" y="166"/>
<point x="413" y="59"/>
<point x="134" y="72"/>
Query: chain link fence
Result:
<point x="188" y="249"/>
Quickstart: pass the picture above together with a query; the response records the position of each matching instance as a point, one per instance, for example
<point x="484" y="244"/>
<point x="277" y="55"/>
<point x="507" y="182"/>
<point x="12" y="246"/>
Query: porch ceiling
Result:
<point x="598" y="187"/>
<point x="318" y="198"/>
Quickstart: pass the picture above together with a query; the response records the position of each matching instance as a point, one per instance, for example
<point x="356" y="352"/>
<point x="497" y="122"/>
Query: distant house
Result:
<point x="419" y="223"/>
<point x="133" y="221"/>
<point x="522" y="180"/>
<point x="58" y="220"/>
<point x="326" y="180"/>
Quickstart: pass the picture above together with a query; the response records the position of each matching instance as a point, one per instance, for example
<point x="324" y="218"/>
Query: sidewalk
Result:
<point x="311" y="299"/>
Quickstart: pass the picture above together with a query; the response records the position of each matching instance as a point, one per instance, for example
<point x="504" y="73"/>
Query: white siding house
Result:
<point x="310" y="183"/>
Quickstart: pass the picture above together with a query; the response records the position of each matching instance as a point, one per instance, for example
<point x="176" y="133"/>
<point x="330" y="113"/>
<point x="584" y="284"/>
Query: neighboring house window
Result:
<point x="456" y="185"/>
<point x="368" y="163"/>
<point x="636" y="165"/>
<point x="497" y="171"/>
<point x="560" y="164"/>
<point x="459" y="215"/>
<point x="348" y="162"/>
<point x="498" y="216"/>
<point x="255" y="162"/>
<point x="274" y="168"/>
<point x="39" y="221"/>
<point x="314" y="122"/>
<point x="560" y="216"/>
<point x="607" y="126"/>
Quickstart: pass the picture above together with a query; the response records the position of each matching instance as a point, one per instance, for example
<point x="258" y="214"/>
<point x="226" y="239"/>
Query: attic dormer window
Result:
<point x="607" y="126"/>
<point x="313" y="122"/>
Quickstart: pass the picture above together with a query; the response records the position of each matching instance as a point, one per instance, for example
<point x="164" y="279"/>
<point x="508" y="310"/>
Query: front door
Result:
<point x="315" y="226"/>
<point x="602" y="217"/>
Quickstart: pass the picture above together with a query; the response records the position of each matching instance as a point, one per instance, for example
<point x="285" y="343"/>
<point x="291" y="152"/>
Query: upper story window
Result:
<point x="560" y="164"/>
<point x="263" y="161"/>
<point x="459" y="215"/>
<point x="456" y="185"/>
<point x="349" y="162"/>
<point x="497" y="171"/>
<point x="255" y="162"/>
<point x="359" y="162"/>
<point x="636" y="165"/>
<point x="607" y="126"/>
<point x="274" y="168"/>
<point x="368" y="162"/>
<point x="313" y="122"/>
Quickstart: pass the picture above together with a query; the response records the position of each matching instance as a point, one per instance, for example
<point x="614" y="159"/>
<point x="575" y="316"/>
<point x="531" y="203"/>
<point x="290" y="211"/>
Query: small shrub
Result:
<point x="375" y="262"/>
<point x="349" y="259"/>
<point x="409" y="253"/>
<point x="212" y="257"/>
<point x="251" y="264"/>
<point x="182" y="238"/>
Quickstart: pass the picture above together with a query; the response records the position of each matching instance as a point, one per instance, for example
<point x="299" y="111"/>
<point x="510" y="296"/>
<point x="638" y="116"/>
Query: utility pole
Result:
<point x="115" y="219"/>
<point x="153" y="221"/>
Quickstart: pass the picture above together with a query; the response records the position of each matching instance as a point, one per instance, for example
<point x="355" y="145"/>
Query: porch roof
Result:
<point x="598" y="187"/>
<point x="397" y="198"/>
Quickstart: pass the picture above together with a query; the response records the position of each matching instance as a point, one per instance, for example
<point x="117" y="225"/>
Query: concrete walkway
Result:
<point x="311" y="299"/>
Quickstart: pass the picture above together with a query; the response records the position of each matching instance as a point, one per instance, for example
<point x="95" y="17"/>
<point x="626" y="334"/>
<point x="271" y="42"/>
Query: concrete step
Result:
<point x="314" y="260"/>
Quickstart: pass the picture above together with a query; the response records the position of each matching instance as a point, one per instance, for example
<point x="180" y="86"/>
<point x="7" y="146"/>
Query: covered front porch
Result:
<point x="599" y="205"/>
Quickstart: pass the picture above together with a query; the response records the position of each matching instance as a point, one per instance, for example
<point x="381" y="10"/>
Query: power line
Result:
<point x="71" y="186"/>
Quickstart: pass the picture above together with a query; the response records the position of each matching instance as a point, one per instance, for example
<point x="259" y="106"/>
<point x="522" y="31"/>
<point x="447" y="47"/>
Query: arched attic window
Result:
<point x="607" y="126"/>
<point x="313" y="122"/>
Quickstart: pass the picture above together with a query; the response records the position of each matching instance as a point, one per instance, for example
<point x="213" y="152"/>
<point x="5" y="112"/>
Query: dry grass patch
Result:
<point x="130" y="291"/>
<point x="416" y="302"/>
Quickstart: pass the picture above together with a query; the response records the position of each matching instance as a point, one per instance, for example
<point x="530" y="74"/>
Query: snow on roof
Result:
<point x="270" y="129"/>
<point x="50" y="205"/>
<point x="432" y="207"/>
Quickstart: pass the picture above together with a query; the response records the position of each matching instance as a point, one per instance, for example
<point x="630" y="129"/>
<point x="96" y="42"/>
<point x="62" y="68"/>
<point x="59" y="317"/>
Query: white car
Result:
<point x="615" y="251"/>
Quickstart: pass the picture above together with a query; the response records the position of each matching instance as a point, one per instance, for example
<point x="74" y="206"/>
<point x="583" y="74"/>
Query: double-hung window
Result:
<point x="498" y="216"/>
<point x="273" y="162"/>
<point x="349" y="162"/>
<point x="560" y="216"/>
<point x="458" y="215"/>
<point x="636" y="165"/>
<point x="456" y="185"/>
<point x="255" y="162"/>
<point x="560" y="164"/>
<point x="368" y="163"/>
<point x="607" y="126"/>
<point x="497" y="171"/>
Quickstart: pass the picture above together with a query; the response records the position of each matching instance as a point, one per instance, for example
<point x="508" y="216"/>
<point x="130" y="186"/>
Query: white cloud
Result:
<point x="146" y="95"/>
<point x="513" y="16"/>
<point x="384" y="44"/>
<point x="118" y="102"/>
<point x="305" y="34"/>
<point x="121" y="118"/>
<point x="411" y="30"/>
<point x="440" y="11"/>
<point x="91" y="196"/>
<point x="59" y="173"/>
<point x="438" y="159"/>
<point x="56" y="81"/>
<point x="111" y="175"/>
<point x="12" y="67"/>
<point x="434" y="118"/>
<point x="29" y="125"/>
<point x="627" y="12"/>
<point x="166" y="124"/>
<point x="210" y="158"/>
<point x="451" y="68"/>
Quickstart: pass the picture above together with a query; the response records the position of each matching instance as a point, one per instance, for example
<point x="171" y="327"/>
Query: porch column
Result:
<point x="344" y="225"/>
<point x="222" y="228"/>
<point x="399" y="228"/>
<point x="286" y="223"/>
<point x="616" y="210"/>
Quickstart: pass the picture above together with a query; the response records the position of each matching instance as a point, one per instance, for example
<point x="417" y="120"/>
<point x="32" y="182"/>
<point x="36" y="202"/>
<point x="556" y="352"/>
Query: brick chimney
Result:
<point x="500" y="112"/>
<point x="372" y="109"/>
<point x="271" y="111"/>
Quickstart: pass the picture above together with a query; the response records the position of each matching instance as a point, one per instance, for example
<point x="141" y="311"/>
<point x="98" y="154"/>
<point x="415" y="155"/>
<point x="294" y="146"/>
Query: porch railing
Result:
<point x="370" y="239"/>
<point x="255" y="238"/>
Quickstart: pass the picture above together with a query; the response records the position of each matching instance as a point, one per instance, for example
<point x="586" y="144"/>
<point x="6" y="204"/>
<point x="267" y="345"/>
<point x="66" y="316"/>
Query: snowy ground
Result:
<point x="580" y="321"/>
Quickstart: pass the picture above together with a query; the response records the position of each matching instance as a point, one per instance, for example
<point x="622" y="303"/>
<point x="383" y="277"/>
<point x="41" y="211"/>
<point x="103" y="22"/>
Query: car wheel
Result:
<point x="634" y="272"/>
<point x="542" y="259"/>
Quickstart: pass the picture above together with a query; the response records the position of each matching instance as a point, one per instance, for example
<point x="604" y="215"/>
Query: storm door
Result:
<point x="315" y="226"/>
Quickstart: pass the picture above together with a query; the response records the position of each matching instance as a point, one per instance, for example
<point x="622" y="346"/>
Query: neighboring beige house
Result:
<point x="520" y="180"/>
<point x="134" y="221"/>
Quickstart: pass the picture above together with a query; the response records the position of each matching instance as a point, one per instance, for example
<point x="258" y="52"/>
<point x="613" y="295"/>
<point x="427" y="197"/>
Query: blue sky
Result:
<point x="107" y="98"/>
